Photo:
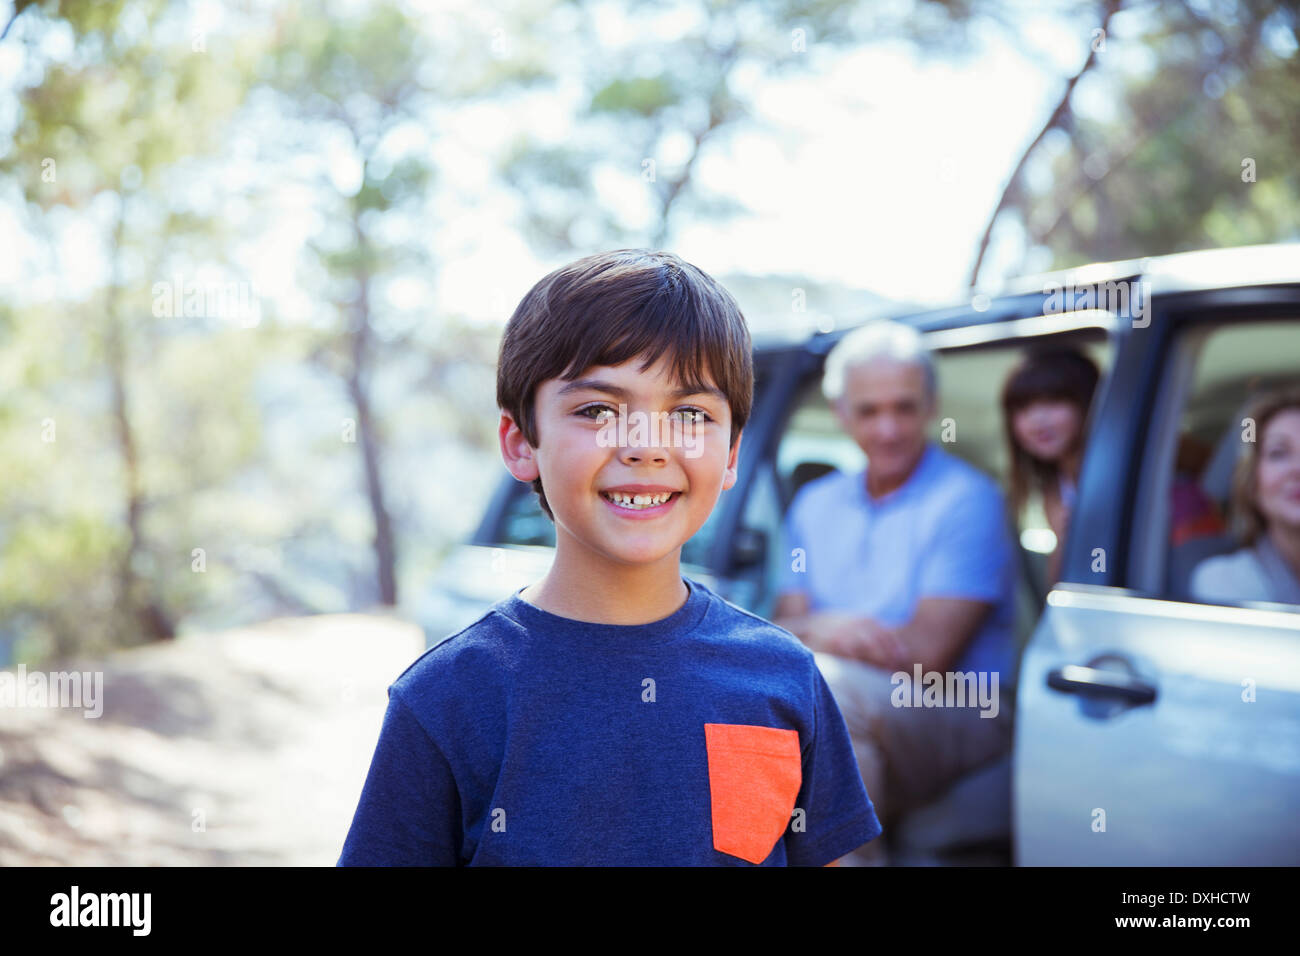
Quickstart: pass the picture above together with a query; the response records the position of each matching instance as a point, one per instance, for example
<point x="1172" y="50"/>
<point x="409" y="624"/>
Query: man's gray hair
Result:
<point x="878" y="339"/>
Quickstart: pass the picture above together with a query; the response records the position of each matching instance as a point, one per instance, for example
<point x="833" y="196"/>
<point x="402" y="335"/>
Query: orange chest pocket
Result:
<point x="754" y="779"/>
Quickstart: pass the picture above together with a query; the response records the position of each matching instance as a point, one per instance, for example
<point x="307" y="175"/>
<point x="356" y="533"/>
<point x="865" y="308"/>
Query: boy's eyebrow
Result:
<point x="597" y="385"/>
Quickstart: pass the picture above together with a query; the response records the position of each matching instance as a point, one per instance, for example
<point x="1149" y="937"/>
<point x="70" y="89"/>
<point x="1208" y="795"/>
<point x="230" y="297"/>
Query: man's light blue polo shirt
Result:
<point x="942" y="533"/>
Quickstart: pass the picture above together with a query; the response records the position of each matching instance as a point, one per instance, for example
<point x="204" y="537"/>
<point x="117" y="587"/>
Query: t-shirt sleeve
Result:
<point x="792" y="537"/>
<point x="969" y="556"/>
<point x="409" y="812"/>
<point x="838" y="816"/>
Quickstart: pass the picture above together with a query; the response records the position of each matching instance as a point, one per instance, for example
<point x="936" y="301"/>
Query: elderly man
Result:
<point x="905" y="563"/>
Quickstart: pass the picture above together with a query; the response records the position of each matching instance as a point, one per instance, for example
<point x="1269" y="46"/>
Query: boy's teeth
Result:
<point x="638" y="501"/>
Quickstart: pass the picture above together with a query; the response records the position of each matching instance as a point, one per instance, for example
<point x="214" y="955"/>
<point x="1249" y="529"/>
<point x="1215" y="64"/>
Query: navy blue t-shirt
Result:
<point x="528" y="739"/>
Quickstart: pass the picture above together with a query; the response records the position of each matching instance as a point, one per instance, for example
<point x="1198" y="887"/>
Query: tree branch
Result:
<point x="1057" y="117"/>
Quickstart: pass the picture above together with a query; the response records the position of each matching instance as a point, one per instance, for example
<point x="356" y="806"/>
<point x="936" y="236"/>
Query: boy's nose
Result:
<point x="644" y="454"/>
<point x="650" y="446"/>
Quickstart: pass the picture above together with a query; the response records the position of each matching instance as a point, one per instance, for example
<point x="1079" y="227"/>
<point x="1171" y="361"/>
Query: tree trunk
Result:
<point x="357" y="379"/>
<point x="134" y="594"/>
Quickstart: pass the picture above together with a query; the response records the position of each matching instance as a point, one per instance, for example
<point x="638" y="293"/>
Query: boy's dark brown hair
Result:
<point x="608" y="308"/>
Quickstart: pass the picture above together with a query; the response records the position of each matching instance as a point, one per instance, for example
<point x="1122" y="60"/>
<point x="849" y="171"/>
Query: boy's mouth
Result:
<point x="640" y="504"/>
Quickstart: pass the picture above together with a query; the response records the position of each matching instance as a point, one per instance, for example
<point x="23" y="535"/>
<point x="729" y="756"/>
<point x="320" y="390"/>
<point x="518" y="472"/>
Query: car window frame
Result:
<point x="1005" y="330"/>
<point x="1188" y="320"/>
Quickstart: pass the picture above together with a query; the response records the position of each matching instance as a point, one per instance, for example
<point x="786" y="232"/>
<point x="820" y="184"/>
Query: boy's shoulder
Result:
<point x="474" y="652"/>
<point x="758" y="632"/>
<point x="486" y="652"/>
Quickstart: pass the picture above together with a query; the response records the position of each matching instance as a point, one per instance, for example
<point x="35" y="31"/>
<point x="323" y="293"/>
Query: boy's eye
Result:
<point x="694" y="416"/>
<point x="594" y="408"/>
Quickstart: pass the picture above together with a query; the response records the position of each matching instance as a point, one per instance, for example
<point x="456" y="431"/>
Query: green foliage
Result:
<point x="1170" y="173"/>
<point x="643" y="95"/>
<point x="114" y="120"/>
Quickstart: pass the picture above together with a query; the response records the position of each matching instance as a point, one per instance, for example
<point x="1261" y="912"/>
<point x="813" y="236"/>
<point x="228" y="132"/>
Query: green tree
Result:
<point x="101" y="136"/>
<point x="1198" y="154"/>
<point x="372" y="80"/>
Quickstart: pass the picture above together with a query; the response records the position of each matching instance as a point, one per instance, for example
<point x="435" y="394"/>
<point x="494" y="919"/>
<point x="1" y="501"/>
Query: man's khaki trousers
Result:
<point x="908" y="755"/>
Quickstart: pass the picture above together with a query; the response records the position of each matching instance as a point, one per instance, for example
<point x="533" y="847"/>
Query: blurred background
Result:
<point x="257" y="258"/>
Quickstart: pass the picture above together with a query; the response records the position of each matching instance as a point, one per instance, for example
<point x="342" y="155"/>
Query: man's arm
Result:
<point x="940" y="630"/>
<point x="933" y="638"/>
<point x="961" y="579"/>
<point x="838" y="632"/>
<point x="820" y="631"/>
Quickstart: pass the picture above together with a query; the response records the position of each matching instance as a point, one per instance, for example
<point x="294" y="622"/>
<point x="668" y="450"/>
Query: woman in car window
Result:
<point x="1265" y="511"/>
<point x="1045" y="403"/>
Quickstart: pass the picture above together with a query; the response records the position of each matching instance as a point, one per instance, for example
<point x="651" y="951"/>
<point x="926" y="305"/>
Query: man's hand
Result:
<point x="872" y="643"/>
<point x="836" y="632"/>
<point x="934" y="637"/>
<point x="832" y="632"/>
<point x="859" y="638"/>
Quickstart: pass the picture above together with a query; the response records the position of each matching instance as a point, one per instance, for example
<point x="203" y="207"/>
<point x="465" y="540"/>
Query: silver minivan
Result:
<point x="1150" y="729"/>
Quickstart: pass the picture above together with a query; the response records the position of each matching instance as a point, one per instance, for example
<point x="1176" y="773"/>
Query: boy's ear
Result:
<point x="516" y="451"/>
<point x="729" y="476"/>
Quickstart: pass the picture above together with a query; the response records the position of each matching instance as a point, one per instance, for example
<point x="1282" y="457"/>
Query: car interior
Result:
<point x="1235" y="365"/>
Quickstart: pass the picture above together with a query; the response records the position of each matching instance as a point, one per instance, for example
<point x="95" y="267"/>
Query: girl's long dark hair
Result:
<point x="1052" y="373"/>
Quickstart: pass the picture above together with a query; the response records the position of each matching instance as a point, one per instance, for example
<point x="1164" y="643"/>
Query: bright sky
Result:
<point x="882" y="177"/>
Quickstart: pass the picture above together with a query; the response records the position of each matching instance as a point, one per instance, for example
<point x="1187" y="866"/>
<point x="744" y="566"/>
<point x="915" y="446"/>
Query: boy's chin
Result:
<point x="630" y="549"/>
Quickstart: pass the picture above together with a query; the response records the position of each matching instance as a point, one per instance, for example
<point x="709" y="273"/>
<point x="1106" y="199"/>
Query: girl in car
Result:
<point x="1045" y="403"/>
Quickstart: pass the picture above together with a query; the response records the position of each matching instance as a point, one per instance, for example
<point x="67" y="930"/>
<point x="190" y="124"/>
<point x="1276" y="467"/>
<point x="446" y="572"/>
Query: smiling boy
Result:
<point x="616" y="712"/>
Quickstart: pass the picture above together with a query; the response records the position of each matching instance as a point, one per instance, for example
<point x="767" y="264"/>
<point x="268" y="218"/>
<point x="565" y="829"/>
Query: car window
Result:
<point x="812" y="443"/>
<point x="1234" y="365"/>
<point x="968" y="424"/>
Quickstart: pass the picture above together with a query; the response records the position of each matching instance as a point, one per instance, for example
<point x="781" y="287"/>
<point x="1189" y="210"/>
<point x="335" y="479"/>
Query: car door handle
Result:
<point x="1095" y="682"/>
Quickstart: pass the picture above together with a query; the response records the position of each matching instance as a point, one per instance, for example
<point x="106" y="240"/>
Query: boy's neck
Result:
<point x="610" y="595"/>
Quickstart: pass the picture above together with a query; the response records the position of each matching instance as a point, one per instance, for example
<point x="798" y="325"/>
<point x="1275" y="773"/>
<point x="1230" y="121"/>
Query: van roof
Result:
<point x="1272" y="264"/>
<point x="1179" y="272"/>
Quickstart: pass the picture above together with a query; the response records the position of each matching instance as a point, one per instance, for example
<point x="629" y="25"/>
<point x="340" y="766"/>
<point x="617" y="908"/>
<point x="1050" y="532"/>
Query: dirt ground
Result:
<point x="242" y="747"/>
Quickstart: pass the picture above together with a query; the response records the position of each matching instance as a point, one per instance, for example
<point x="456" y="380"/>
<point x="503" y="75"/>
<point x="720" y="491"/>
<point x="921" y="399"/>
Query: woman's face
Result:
<point x="1277" y="478"/>
<point x="1048" y="428"/>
